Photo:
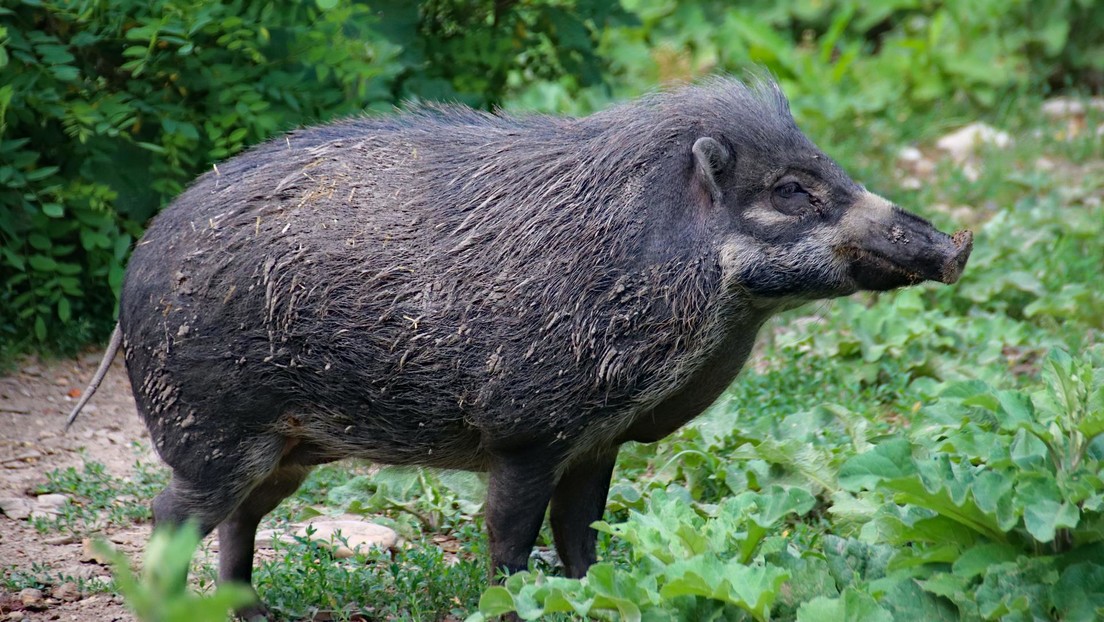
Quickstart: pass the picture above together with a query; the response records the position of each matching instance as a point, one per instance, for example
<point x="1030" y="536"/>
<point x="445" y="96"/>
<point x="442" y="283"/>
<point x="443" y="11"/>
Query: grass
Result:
<point x="98" y="499"/>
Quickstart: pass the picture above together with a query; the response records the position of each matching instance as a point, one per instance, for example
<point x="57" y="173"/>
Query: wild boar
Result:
<point x="512" y="294"/>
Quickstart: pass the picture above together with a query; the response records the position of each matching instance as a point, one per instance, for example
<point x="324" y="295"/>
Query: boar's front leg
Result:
<point x="578" y="500"/>
<point x="520" y="486"/>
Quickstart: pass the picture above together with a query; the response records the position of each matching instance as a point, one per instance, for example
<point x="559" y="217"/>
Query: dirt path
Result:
<point x="34" y="402"/>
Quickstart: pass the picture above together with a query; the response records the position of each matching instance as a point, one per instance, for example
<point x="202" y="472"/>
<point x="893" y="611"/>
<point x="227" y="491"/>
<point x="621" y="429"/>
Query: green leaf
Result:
<point x="975" y="561"/>
<point x="752" y="588"/>
<point x="64" y="309"/>
<point x="1043" y="517"/>
<point x="851" y="606"/>
<point x="946" y="585"/>
<point x="496" y="600"/>
<point x="945" y="499"/>
<point x="618" y="591"/>
<point x="777" y="502"/>
<point x="1017" y="406"/>
<point x="41" y="173"/>
<point x="1018" y="587"/>
<point x="888" y="460"/>
<point x="1079" y="593"/>
<point x="42" y="263"/>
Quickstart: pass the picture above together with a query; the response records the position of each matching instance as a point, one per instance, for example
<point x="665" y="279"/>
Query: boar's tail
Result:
<point x="105" y="364"/>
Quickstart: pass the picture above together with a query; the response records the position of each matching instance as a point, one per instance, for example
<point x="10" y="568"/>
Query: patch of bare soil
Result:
<point x="34" y="403"/>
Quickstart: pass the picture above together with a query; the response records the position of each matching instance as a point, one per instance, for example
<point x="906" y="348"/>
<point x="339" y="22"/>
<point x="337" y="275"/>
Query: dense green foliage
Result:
<point x="108" y="108"/>
<point x="931" y="454"/>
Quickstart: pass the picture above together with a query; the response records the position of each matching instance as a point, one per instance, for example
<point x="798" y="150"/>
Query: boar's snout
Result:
<point x="898" y="248"/>
<point x="963" y="243"/>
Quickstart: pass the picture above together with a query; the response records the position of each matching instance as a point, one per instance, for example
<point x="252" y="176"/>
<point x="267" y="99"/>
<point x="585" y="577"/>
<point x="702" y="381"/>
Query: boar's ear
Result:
<point x="710" y="158"/>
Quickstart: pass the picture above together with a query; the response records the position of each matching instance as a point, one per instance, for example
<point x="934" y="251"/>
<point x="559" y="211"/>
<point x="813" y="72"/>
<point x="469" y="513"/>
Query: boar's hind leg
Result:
<point x="578" y="500"/>
<point x="237" y="533"/>
<point x="517" y="496"/>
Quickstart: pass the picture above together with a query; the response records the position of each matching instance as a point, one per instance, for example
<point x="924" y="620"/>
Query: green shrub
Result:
<point x="109" y="107"/>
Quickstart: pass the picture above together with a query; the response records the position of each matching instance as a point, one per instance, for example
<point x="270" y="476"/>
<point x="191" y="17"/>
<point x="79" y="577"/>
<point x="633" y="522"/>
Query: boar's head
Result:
<point x="795" y="226"/>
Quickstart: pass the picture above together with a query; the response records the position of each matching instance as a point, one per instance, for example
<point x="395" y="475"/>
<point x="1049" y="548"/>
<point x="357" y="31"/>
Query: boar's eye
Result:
<point x="789" y="197"/>
<point x="788" y="189"/>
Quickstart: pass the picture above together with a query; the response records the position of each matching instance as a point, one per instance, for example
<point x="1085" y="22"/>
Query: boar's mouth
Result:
<point x="878" y="269"/>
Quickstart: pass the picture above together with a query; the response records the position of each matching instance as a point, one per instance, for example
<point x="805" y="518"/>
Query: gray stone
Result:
<point x="353" y="534"/>
<point x="32" y="599"/>
<point x="963" y="142"/>
<point x="16" y="508"/>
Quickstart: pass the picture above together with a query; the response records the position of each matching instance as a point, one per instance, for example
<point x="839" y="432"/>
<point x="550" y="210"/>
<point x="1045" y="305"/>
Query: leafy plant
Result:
<point x="686" y="558"/>
<point x="97" y="498"/>
<point x="1001" y="485"/>
<point x="416" y="582"/>
<point x="108" y="108"/>
<point x="161" y="593"/>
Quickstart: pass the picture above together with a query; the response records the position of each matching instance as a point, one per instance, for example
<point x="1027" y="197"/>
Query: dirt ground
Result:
<point x="34" y="403"/>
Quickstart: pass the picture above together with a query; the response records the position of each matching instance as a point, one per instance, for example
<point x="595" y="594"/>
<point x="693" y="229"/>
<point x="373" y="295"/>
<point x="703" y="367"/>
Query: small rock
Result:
<point x="32" y="370"/>
<point x="910" y="154"/>
<point x="50" y="503"/>
<point x="970" y="171"/>
<point x="32" y="599"/>
<point x="266" y="538"/>
<point x="16" y="508"/>
<point x="117" y="438"/>
<point x="67" y="591"/>
<point x="90" y="555"/>
<point x="1063" y="107"/>
<point x="962" y="142"/>
<point x="353" y="534"/>
<point x="911" y="183"/>
<point x="1059" y="107"/>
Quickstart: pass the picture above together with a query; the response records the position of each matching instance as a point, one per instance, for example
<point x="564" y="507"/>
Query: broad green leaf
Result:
<point x="905" y="599"/>
<point x="946" y="585"/>
<point x="942" y="500"/>
<point x="973" y="562"/>
<point x="1079" y="593"/>
<point x="993" y="492"/>
<point x="1028" y="451"/>
<point x="64" y="309"/>
<point x="496" y="600"/>
<point x="1017" y="406"/>
<point x="1043" y="517"/>
<point x="888" y="460"/>
<point x="1017" y="587"/>
<point x="619" y="591"/>
<point x="852" y="561"/>
<point x="851" y="606"/>
<point x="752" y="588"/>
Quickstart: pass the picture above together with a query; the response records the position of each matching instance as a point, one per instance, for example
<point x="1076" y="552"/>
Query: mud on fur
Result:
<point x="517" y="295"/>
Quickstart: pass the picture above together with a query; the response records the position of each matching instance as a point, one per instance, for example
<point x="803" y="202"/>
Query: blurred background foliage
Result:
<point x="109" y="107"/>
